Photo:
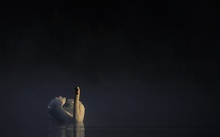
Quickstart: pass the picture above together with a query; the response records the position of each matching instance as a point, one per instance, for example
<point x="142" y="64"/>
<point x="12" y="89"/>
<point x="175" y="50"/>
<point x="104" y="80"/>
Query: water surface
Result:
<point x="46" y="128"/>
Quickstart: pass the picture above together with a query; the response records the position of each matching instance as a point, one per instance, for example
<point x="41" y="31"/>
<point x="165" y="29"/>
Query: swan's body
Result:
<point x="72" y="111"/>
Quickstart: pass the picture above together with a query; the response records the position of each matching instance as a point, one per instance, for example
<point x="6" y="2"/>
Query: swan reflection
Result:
<point x="67" y="130"/>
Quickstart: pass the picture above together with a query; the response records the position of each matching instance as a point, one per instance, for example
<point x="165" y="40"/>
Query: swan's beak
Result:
<point x="77" y="90"/>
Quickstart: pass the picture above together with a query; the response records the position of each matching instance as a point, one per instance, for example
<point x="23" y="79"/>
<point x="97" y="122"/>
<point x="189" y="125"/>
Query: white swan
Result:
<point x="72" y="111"/>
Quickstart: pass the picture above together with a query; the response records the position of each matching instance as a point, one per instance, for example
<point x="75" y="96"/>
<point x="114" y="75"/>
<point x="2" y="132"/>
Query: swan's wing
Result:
<point x="56" y="111"/>
<point x="54" y="103"/>
<point x="69" y="106"/>
<point x="69" y="109"/>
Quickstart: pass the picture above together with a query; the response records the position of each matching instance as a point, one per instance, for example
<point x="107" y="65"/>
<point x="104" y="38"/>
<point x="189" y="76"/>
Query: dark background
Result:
<point x="154" y="63"/>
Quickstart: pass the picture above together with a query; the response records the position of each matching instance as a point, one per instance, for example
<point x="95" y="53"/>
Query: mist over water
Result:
<point x="118" y="103"/>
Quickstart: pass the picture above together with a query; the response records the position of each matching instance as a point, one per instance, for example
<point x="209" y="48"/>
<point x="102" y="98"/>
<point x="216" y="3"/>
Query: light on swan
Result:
<point x="71" y="110"/>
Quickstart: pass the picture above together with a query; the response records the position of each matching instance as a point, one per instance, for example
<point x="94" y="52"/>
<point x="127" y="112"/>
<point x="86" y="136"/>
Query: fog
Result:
<point x="131" y="68"/>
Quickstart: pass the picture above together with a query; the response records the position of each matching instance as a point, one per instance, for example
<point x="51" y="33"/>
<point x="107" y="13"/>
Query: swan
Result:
<point x="61" y="109"/>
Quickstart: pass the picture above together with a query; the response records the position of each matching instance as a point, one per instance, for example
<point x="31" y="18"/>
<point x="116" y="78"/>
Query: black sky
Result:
<point x="162" y="56"/>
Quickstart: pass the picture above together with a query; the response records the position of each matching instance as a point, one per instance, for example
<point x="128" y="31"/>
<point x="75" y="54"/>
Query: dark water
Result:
<point x="115" y="113"/>
<point x="43" y="127"/>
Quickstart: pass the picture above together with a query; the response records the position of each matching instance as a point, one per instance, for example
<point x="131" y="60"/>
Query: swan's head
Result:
<point x="77" y="90"/>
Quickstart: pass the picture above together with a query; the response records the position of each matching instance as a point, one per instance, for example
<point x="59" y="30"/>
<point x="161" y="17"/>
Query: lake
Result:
<point x="43" y="127"/>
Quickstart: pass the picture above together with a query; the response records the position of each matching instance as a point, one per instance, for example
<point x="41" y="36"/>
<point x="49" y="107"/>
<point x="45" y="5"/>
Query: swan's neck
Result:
<point x="76" y="106"/>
